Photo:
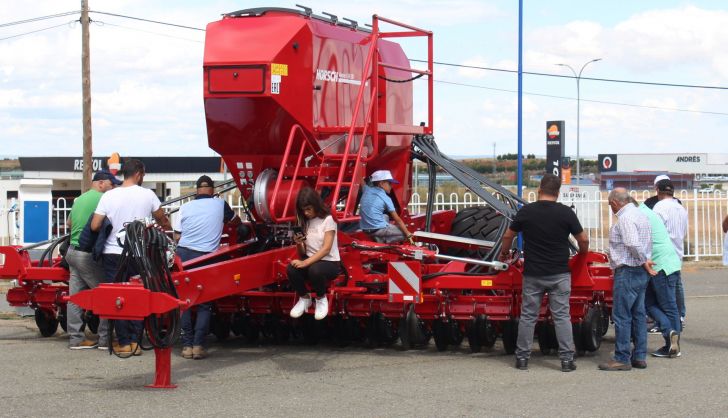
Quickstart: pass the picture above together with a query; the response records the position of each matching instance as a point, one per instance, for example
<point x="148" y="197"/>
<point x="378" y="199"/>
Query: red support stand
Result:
<point x="163" y="369"/>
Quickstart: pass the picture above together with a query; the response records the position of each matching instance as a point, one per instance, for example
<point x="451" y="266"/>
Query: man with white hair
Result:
<point x="630" y="249"/>
<point x="376" y="208"/>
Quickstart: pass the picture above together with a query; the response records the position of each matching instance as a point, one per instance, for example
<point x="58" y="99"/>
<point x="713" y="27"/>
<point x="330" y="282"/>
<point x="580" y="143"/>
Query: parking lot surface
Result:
<point x="42" y="377"/>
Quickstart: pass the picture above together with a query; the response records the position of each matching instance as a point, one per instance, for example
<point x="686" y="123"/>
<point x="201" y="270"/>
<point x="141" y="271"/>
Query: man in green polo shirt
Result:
<point x="660" y="300"/>
<point x="85" y="271"/>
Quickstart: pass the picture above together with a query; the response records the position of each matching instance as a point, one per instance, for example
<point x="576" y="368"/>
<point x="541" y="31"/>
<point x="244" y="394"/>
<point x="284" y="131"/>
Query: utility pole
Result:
<point x="86" y="85"/>
<point x="494" y="158"/>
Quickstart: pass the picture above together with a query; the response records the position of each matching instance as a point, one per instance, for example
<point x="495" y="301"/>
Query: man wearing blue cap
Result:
<point x="85" y="271"/>
<point x="376" y="208"/>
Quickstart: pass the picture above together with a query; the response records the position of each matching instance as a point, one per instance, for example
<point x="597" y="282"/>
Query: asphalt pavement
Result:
<point x="42" y="377"/>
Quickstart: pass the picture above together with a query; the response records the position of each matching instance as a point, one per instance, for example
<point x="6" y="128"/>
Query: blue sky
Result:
<point x="147" y="86"/>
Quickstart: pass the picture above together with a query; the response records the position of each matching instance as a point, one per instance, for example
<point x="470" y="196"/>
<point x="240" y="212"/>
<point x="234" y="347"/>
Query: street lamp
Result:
<point x="578" y="100"/>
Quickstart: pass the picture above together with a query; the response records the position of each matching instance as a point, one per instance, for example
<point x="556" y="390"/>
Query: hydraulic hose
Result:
<point x="148" y="251"/>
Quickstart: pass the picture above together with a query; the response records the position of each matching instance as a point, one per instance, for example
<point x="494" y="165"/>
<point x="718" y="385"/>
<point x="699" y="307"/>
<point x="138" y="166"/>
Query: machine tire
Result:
<point x="412" y="331"/>
<point x="386" y="333"/>
<point x="605" y="322"/>
<point x="487" y="329"/>
<point x="454" y="334"/>
<point x="440" y="334"/>
<point x="309" y="329"/>
<point x="278" y="330"/>
<point x="479" y="222"/>
<point x="221" y="326"/>
<point x="341" y="331"/>
<point x="544" y="338"/>
<point x="46" y="321"/>
<point x="592" y="329"/>
<point x="474" y="340"/>
<point x="577" y="328"/>
<point x="91" y="321"/>
<point x="63" y="319"/>
<point x="510" y="335"/>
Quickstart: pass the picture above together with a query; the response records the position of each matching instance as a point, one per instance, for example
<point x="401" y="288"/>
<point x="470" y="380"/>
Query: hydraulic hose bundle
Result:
<point x="149" y="252"/>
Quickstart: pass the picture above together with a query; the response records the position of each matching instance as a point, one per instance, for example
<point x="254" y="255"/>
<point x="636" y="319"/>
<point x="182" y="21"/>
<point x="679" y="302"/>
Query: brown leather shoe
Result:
<point x="84" y="345"/>
<point x="187" y="352"/>
<point x="614" y="365"/>
<point x="639" y="364"/>
<point x="123" y="350"/>
<point x="136" y="349"/>
<point x="199" y="352"/>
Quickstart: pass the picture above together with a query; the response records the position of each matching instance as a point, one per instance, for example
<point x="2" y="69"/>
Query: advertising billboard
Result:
<point x="554" y="146"/>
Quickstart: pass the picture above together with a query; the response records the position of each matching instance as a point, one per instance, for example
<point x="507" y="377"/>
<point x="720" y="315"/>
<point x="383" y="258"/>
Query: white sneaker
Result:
<point x="300" y="307"/>
<point x="322" y="308"/>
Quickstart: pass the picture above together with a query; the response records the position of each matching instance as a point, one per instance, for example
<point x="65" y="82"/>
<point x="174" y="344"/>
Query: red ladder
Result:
<point x="352" y="164"/>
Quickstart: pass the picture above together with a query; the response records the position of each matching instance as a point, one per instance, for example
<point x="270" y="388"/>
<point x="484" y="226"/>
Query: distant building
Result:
<point x="637" y="171"/>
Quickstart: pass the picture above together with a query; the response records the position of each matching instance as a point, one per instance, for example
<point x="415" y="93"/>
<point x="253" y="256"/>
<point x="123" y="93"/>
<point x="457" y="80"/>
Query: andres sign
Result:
<point x="554" y="146"/>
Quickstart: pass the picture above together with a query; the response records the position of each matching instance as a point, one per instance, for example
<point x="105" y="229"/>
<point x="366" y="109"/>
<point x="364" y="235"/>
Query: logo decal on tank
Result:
<point x="336" y="77"/>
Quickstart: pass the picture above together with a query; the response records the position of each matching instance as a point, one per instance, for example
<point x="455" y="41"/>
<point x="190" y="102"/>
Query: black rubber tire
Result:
<point x="340" y="331"/>
<point x="309" y="329"/>
<point x="237" y="323"/>
<point x="592" y="329"/>
<point x="576" y="328"/>
<point x="440" y="334"/>
<point x="456" y="336"/>
<point x="605" y="322"/>
<point x="91" y="321"/>
<point x="386" y="332"/>
<point x="63" y="319"/>
<point x="47" y="322"/>
<point x="220" y="326"/>
<point x="488" y="334"/>
<point x="480" y="222"/>
<point x="543" y="337"/>
<point x="474" y="340"/>
<point x="281" y="330"/>
<point x="510" y="335"/>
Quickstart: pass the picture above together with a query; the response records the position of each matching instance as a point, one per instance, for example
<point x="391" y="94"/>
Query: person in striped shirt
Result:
<point x="675" y="217"/>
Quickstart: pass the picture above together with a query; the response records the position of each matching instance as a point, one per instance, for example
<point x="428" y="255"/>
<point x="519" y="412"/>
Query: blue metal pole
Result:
<point x="519" y="173"/>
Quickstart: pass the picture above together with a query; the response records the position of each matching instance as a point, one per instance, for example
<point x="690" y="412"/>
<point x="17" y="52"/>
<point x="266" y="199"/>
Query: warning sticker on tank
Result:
<point x="486" y="283"/>
<point x="275" y="84"/>
<point x="279" y="69"/>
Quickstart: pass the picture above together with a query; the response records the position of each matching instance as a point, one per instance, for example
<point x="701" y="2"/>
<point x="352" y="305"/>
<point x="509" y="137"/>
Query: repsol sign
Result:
<point x="96" y="164"/>
<point x="687" y="159"/>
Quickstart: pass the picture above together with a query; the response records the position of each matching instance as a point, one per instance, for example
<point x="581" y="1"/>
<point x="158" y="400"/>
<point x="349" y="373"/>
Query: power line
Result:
<point x="147" y="20"/>
<point x="146" y="31"/>
<point x="39" y="18"/>
<point x="609" y="80"/>
<point x="38" y="30"/>
<point x="585" y="100"/>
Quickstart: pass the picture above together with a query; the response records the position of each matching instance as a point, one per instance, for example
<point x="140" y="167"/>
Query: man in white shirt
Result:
<point x="675" y="217"/>
<point x="126" y="203"/>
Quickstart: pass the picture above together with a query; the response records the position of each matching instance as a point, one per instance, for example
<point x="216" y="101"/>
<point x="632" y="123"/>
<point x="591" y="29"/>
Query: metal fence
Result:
<point x="706" y="211"/>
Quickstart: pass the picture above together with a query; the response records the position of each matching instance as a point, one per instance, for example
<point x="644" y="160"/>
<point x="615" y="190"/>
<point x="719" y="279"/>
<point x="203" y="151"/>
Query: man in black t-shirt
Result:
<point x="546" y="226"/>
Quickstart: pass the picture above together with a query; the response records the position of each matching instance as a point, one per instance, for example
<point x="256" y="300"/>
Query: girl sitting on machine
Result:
<point x="318" y="253"/>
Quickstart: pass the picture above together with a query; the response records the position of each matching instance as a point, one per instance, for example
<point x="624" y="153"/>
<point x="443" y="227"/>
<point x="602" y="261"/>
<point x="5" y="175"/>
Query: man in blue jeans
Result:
<point x="660" y="300"/>
<point x="630" y="249"/>
<point x="198" y="227"/>
<point x="119" y="206"/>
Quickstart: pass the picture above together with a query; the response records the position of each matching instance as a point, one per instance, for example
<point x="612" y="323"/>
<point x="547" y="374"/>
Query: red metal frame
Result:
<point x="255" y="285"/>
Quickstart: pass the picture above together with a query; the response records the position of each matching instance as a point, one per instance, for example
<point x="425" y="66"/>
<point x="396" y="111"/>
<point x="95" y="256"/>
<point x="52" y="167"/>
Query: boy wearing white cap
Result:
<point x="377" y="208"/>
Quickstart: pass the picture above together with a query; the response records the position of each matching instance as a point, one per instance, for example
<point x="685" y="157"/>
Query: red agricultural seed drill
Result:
<point x="293" y="99"/>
